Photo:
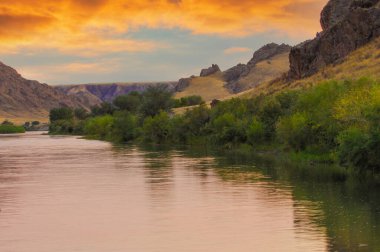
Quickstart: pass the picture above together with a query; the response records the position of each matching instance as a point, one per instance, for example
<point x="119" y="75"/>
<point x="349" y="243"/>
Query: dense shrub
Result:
<point x="99" y="127"/>
<point x="61" y="114"/>
<point x="188" y="101"/>
<point x="157" y="129"/>
<point x="154" y="100"/>
<point x="9" y="128"/>
<point x="255" y="132"/>
<point x="125" y="127"/>
<point x="130" y="102"/>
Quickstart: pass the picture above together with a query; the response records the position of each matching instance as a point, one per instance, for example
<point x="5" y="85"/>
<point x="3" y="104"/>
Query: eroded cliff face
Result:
<point x="347" y="25"/>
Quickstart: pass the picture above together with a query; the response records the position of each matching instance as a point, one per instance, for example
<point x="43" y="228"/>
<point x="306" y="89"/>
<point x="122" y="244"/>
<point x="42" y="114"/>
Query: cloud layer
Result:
<point x="93" y="27"/>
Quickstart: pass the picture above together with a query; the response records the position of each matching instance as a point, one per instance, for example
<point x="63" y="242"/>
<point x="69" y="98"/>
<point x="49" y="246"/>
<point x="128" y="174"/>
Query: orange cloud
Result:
<point x="72" y="25"/>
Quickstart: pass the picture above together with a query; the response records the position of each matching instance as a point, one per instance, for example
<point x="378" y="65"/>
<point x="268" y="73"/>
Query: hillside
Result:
<point x="208" y="87"/>
<point x="24" y="100"/>
<point x="363" y="62"/>
<point x="269" y="62"/>
<point x="107" y="92"/>
<point x="347" y="48"/>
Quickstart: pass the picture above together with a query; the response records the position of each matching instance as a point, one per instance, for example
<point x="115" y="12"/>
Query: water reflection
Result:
<point x="69" y="194"/>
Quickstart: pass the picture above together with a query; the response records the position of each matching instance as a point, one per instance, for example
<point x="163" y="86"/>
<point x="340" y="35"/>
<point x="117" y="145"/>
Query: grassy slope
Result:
<point x="265" y="71"/>
<point x="210" y="87"/>
<point x="363" y="62"/>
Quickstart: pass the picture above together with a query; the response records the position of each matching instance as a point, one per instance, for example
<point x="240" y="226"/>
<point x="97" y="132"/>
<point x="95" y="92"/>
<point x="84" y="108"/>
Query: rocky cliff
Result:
<point x="347" y="25"/>
<point x="20" y="97"/>
<point x="209" y="71"/>
<point x="267" y="63"/>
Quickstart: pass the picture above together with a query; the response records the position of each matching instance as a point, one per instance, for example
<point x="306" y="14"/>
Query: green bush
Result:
<point x="130" y="102"/>
<point x="11" y="129"/>
<point x="255" y="132"/>
<point x="124" y="126"/>
<point x="154" y="100"/>
<point x="57" y="114"/>
<point x="157" y="129"/>
<point x="295" y="131"/>
<point x="99" y="127"/>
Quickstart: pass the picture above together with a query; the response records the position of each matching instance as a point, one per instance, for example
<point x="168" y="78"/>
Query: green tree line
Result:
<point x="338" y="119"/>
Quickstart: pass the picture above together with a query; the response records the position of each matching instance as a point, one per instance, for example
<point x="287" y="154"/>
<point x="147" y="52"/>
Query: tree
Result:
<point x="124" y="126"/>
<point x="157" y="129"/>
<point x="129" y="102"/>
<point x="156" y="99"/>
<point x="80" y="113"/>
<point x="57" y="114"/>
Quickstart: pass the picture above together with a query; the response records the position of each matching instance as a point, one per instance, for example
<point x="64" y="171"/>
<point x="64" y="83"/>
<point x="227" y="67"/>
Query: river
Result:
<point x="66" y="194"/>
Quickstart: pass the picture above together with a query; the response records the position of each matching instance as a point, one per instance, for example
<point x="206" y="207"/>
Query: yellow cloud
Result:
<point x="94" y="26"/>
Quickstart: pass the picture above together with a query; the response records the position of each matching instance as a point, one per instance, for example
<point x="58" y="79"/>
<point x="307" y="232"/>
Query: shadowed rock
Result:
<point x="209" y="71"/>
<point x="347" y="25"/>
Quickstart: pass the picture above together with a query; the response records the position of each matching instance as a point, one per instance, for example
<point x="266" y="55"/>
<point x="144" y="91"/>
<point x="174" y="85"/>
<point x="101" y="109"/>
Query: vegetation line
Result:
<point x="330" y="122"/>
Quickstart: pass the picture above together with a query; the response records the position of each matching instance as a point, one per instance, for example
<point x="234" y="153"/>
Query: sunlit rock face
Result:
<point x="347" y="25"/>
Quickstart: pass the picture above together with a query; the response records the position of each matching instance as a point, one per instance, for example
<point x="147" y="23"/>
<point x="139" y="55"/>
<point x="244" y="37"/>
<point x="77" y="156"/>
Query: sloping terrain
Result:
<point x="269" y="62"/>
<point x="363" y="62"/>
<point x="208" y="87"/>
<point x="27" y="99"/>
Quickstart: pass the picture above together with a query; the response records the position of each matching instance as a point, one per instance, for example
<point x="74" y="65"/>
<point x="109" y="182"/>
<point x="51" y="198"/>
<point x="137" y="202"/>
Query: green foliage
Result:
<point x="333" y="119"/>
<point x="157" y="129"/>
<point x="8" y="127"/>
<point x="57" y="114"/>
<point x="129" y="102"/>
<point x="105" y="108"/>
<point x="99" y="127"/>
<point x="255" y="132"/>
<point x="188" y="101"/>
<point x="228" y="129"/>
<point x="154" y="100"/>
<point x="295" y="130"/>
<point x="353" y="148"/>
<point x="80" y="113"/>
<point x="125" y="127"/>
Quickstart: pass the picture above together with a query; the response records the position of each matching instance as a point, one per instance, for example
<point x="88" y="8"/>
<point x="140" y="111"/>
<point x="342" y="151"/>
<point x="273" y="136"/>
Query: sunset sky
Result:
<point x="81" y="41"/>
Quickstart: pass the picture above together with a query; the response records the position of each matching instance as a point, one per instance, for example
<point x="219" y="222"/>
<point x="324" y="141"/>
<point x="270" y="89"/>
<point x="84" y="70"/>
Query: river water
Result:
<point x="68" y="194"/>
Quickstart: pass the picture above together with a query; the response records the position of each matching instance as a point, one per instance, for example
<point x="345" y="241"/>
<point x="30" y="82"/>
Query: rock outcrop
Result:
<point x="24" y="98"/>
<point x="347" y="25"/>
<point x="183" y="83"/>
<point x="259" y="69"/>
<point x="267" y="52"/>
<point x="209" y="71"/>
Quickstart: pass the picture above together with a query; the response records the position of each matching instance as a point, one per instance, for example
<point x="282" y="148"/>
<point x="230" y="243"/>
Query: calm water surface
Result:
<point x="69" y="194"/>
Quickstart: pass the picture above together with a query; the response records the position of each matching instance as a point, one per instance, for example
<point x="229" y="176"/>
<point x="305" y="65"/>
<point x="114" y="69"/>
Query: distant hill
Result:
<point x="107" y="92"/>
<point x="27" y="99"/>
<point x="269" y="62"/>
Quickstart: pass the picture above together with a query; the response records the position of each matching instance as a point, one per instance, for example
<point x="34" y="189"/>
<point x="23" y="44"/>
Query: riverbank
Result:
<point x="11" y="129"/>
<point x="332" y="122"/>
